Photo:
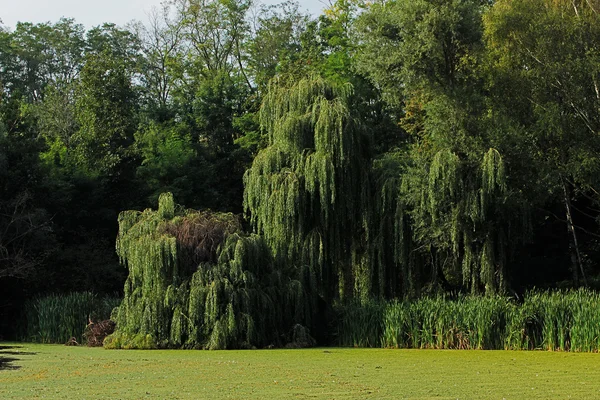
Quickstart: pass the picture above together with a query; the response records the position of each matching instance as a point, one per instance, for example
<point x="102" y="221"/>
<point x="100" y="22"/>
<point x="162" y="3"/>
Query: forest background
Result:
<point x="382" y="150"/>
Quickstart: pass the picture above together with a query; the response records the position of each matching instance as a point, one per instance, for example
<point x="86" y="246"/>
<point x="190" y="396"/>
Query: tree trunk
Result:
<point x="577" y="265"/>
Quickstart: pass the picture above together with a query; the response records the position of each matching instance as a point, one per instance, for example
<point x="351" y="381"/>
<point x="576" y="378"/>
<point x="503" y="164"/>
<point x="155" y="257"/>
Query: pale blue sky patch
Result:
<point x="91" y="13"/>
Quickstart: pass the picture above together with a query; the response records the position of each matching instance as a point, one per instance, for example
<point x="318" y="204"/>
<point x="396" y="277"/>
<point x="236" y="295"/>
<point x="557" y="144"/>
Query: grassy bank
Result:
<point x="56" y="371"/>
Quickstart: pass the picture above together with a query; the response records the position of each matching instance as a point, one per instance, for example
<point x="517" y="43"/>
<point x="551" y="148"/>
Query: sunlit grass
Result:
<point x="56" y="371"/>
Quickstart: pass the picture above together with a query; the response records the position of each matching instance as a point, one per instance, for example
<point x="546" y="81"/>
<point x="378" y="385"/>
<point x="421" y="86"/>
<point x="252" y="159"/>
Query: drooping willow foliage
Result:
<point x="394" y="264"/>
<point x="429" y="215"/>
<point x="446" y="222"/>
<point x="462" y="220"/>
<point x="196" y="281"/>
<point x="308" y="192"/>
<point x="465" y="207"/>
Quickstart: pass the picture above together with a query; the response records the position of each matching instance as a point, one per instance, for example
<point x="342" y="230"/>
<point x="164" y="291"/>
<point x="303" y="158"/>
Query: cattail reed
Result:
<point x="58" y="318"/>
<point x="555" y="321"/>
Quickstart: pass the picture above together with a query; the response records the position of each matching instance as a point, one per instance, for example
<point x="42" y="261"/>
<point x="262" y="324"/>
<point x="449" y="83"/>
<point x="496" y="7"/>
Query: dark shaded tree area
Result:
<point x="387" y="150"/>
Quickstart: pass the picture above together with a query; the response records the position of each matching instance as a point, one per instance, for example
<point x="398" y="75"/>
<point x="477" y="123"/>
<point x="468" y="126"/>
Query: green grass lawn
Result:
<point x="61" y="372"/>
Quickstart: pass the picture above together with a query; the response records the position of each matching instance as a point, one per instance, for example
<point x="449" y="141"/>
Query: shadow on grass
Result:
<point x="6" y="362"/>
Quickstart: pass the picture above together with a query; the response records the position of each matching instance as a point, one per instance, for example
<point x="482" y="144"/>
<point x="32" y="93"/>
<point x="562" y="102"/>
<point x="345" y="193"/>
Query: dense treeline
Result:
<point x="390" y="150"/>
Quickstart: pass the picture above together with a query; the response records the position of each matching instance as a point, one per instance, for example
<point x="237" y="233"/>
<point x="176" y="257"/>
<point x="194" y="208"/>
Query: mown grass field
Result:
<point x="61" y="372"/>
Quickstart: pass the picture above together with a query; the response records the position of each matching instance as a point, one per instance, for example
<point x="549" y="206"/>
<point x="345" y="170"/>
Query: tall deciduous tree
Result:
<point x="215" y="31"/>
<point x="35" y="55"/>
<point x="276" y="41"/>
<point x="161" y="69"/>
<point x="452" y="183"/>
<point x="106" y="105"/>
<point x="26" y="235"/>
<point x="545" y="79"/>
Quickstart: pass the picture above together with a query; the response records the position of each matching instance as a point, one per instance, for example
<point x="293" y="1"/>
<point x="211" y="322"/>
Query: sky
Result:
<point x="94" y="12"/>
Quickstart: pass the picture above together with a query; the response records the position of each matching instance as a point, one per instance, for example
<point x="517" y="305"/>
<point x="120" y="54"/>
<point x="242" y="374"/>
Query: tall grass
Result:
<point x="360" y="324"/>
<point x="58" y="318"/>
<point x="560" y="320"/>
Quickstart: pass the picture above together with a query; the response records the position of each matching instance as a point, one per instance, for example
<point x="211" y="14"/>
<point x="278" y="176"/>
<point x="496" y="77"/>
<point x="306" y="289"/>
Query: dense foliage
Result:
<point x="390" y="150"/>
<point x="196" y="281"/>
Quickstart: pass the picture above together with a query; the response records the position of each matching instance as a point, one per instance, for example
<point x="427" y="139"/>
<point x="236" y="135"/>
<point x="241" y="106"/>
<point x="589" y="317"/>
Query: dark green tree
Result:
<point x="544" y="84"/>
<point x="106" y="111"/>
<point x="27" y="237"/>
<point x="453" y="200"/>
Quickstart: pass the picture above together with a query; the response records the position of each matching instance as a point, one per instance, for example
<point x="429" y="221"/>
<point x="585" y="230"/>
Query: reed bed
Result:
<point x="60" y="317"/>
<point x="361" y="324"/>
<point x="557" y="320"/>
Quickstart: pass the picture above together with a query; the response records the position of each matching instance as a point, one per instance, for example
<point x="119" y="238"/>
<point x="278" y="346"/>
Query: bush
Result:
<point x="95" y="333"/>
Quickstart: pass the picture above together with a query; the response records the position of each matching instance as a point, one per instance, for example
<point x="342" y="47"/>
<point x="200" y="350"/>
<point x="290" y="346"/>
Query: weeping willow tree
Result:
<point x="463" y="208"/>
<point x="195" y="280"/>
<point x="308" y="191"/>
<point x="444" y="223"/>
<point x="394" y="264"/>
<point x="464" y="218"/>
<point x="244" y="300"/>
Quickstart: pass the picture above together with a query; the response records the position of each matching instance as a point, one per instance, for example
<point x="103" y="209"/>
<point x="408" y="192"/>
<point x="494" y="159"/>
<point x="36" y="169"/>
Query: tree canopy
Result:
<point x="382" y="150"/>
